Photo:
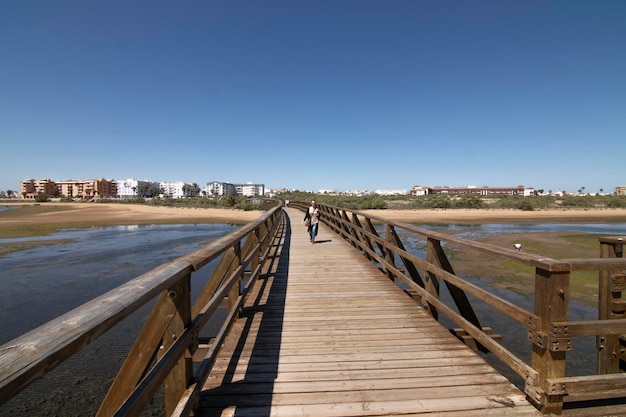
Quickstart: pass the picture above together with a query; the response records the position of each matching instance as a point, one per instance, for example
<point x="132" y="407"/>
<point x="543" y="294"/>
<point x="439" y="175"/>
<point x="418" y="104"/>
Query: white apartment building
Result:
<point x="173" y="189"/>
<point x="133" y="188"/>
<point x="250" y="189"/>
<point x="218" y="189"/>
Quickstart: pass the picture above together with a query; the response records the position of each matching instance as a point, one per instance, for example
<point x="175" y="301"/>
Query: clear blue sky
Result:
<point x="310" y="95"/>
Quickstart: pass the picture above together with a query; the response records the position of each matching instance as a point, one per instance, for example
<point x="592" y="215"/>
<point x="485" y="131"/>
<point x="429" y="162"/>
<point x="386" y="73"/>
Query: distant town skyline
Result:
<point x="316" y="95"/>
<point x="203" y="184"/>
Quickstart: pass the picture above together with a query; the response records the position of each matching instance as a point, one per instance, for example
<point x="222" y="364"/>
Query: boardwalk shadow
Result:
<point x="323" y="241"/>
<point x="259" y="344"/>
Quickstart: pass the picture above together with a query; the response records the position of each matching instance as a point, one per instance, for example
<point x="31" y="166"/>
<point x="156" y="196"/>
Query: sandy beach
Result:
<point x="80" y="214"/>
<point x="110" y="213"/>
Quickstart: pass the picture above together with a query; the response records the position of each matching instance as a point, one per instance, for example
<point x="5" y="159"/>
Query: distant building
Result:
<point x="85" y="189"/>
<point x="391" y="192"/>
<point x="218" y="189"/>
<point x="529" y="192"/>
<point x="250" y="189"/>
<point x="134" y="188"/>
<point x="88" y="189"/>
<point x="620" y="190"/>
<point x="357" y="193"/>
<point x="29" y="189"/>
<point x="105" y="188"/>
<point x="418" y="190"/>
<point x="173" y="189"/>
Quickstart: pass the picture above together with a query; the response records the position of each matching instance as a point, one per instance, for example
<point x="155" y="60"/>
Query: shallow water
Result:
<point x="60" y="277"/>
<point x="499" y="228"/>
<point x="41" y="283"/>
<point x="582" y="358"/>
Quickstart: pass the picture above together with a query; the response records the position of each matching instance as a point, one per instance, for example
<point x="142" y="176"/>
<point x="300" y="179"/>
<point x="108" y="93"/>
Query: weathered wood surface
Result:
<point x="327" y="334"/>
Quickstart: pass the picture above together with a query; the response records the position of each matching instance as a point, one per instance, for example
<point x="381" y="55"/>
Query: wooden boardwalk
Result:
<point x="326" y="334"/>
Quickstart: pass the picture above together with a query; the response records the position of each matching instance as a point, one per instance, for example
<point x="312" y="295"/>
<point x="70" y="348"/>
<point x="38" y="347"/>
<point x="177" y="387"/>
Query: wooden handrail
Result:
<point x="27" y="358"/>
<point x="549" y="329"/>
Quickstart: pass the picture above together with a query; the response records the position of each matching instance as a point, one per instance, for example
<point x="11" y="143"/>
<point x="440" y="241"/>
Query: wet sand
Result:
<point x="41" y="219"/>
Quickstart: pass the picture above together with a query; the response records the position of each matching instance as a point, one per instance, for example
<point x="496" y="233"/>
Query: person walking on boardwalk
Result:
<point x="313" y="215"/>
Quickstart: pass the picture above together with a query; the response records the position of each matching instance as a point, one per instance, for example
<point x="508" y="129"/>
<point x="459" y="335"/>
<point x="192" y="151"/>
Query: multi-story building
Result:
<point x="173" y="189"/>
<point x="250" y="189"/>
<point x="620" y="190"/>
<point x="218" y="189"/>
<point x="29" y="189"/>
<point x="94" y="188"/>
<point x="86" y="189"/>
<point x="134" y="188"/>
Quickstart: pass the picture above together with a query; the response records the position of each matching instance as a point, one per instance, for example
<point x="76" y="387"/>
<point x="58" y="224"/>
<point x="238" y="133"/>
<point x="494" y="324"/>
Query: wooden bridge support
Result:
<point x="610" y="306"/>
<point x="548" y="354"/>
<point x="180" y="376"/>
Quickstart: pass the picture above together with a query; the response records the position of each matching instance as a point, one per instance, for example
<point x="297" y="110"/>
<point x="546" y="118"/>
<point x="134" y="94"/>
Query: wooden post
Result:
<point x="551" y="305"/>
<point x="256" y="259"/>
<point x="608" y="346"/>
<point x="180" y="377"/>
<point x="437" y="256"/>
<point x="408" y="265"/>
<point x="146" y="347"/>
<point x="432" y="281"/>
<point x="233" y="294"/>
<point x="389" y="254"/>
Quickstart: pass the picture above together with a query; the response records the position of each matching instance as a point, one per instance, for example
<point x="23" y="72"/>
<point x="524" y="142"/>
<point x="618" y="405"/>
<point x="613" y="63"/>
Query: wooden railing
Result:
<point x="162" y="353"/>
<point x="548" y="328"/>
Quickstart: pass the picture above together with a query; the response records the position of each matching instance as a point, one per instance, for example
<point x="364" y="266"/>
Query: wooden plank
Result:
<point x="469" y="406"/>
<point x="333" y="336"/>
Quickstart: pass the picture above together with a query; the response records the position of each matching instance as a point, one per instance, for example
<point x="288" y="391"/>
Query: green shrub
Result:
<point x="41" y="197"/>
<point x="578" y="201"/>
<point x="434" y="201"/>
<point x="615" y="201"/>
<point x="526" y="205"/>
<point x="470" y="201"/>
